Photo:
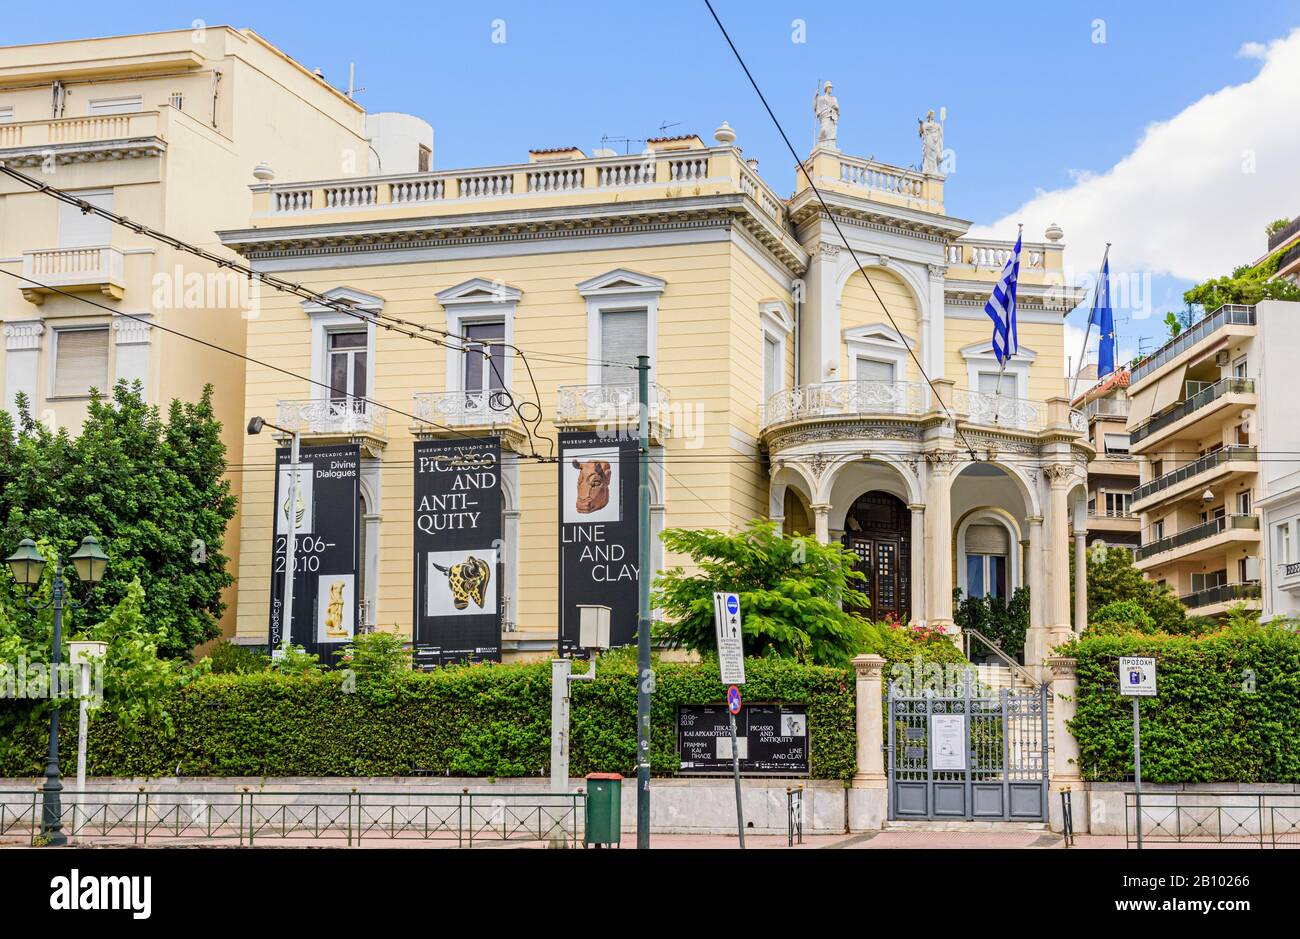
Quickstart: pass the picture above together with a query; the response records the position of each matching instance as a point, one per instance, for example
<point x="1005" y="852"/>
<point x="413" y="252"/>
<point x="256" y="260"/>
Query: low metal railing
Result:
<point x="1207" y="462"/>
<point x="1215" y="526"/>
<point x="1067" y="818"/>
<point x="1224" y="593"/>
<point x="794" y="816"/>
<point x="249" y="817"/>
<point x="1234" y="818"/>
<point x="1201" y="399"/>
<point x="1226" y="315"/>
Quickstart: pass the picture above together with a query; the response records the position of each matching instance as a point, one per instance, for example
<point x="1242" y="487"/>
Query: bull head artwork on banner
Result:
<point x="467" y="580"/>
<point x="593" y="486"/>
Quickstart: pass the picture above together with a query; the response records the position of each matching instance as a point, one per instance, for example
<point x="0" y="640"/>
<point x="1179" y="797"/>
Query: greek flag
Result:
<point x="1001" y="308"/>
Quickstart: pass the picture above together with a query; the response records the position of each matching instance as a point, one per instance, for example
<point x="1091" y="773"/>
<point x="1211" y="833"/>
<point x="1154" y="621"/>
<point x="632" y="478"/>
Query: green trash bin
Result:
<point x="604" y="808"/>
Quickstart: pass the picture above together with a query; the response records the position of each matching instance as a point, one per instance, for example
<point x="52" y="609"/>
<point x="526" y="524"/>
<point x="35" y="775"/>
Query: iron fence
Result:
<point x="794" y="816"/>
<point x="250" y="817"/>
<point x="1229" y="818"/>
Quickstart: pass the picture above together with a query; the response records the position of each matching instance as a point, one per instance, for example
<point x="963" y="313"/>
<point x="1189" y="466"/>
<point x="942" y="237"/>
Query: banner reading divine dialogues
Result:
<point x="326" y="519"/>
<point x="458" y="561"/>
<point x="598" y="533"/>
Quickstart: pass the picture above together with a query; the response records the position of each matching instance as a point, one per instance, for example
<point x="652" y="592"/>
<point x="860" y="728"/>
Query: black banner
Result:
<point x="458" y="560"/>
<point x="773" y="739"/>
<point x="326" y="585"/>
<point x="598" y="533"/>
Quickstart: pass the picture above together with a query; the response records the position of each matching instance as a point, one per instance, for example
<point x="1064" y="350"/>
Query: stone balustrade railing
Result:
<point x="846" y="399"/>
<point x="882" y="178"/>
<point x="464" y="408"/>
<point x="664" y="168"/>
<point x="333" y="416"/>
<point x="66" y="130"/>
<point x="994" y="254"/>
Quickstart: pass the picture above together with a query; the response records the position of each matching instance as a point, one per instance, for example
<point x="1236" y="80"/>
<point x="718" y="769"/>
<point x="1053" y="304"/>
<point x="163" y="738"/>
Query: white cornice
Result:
<point x="95" y="151"/>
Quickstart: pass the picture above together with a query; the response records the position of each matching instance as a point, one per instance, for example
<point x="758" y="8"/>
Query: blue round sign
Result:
<point x="733" y="605"/>
<point x="733" y="699"/>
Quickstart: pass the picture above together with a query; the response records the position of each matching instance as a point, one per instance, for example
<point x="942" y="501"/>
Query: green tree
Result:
<point x="797" y="596"/>
<point x="1113" y="578"/>
<point x="151" y="488"/>
<point x="1275" y="226"/>
<point x="1247" y="285"/>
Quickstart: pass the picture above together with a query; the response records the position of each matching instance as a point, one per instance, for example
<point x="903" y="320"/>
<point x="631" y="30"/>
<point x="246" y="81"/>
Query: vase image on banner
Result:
<point x="335" y="607"/>
<point x="304" y="509"/>
<point x="461" y="583"/>
<point x="591" y="485"/>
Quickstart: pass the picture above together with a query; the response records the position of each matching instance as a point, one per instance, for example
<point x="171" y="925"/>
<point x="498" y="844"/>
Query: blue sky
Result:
<point x="1034" y="103"/>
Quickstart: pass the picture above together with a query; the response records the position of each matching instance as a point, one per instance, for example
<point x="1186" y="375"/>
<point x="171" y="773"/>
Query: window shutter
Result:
<point x="989" y="384"/>
<point x="128" y="104"/>
<point x="875" y="370"/>
<point x="78" y="229"/>
<point x="81" y="361"/>
<point x="622" y="339"/>
<point x="773" y="379"/>
<point x="987" y="539"/>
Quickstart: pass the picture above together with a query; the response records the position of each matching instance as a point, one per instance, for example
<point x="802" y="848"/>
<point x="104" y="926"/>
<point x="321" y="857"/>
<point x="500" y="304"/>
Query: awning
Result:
<point x="1169" y="390"/>
<point x="1155" y="398"/>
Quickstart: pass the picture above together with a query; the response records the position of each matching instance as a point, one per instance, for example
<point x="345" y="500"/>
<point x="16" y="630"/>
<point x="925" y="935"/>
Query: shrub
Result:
<point x="1122" y="616"/>
<point x="226" y="658"/>
<point x="1003" y="621"/>
<point x="1228" y="708"/>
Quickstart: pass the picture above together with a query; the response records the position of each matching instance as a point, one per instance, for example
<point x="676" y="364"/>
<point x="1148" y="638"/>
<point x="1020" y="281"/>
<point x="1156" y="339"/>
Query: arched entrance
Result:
<point x="877" y="528"/>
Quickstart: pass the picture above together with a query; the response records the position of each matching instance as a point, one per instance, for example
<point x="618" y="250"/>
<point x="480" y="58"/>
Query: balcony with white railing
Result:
<point x="72" y="131"/>
<point x="986" y="254"/>
<point x="846" y="399"/>
<point x="613" y="407"/>
<point x="77" y="270"/>
<point x="454" y="413"/>
<point x="335" y="418"/>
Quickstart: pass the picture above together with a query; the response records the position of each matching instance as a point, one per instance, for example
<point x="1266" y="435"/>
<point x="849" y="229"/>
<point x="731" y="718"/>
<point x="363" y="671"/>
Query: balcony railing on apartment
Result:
<point x="1112" y="513"/>
<point x="847" y="399"/>
<point x="1207" y="462"/>
<point x="1214" y="526"/>
<point x="1284" y="235"/>
<point x="334" y="416"/>
<point x="608" y="404"/>
<point x="71" y="130"/>
<point x="95" y="268"/>
<point x="1106" y="407"/>
<point x="1228" y="315"/>
<point x="464" y="408"/>
<point x="1224" y="593"/>
<point x="1202" y="398"/>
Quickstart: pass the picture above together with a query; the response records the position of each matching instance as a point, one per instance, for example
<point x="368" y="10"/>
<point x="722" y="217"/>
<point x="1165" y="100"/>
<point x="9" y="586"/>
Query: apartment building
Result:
<point x="169" y="129"/>
<point x="780" y="387"/>
<point x="1209" y="418"/>
<point x="1113" y="472"/>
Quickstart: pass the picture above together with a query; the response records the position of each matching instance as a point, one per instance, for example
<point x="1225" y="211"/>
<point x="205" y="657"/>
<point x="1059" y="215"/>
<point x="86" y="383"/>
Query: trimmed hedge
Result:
<point x="483" y="720"/>
<point x="1228" y="708"/>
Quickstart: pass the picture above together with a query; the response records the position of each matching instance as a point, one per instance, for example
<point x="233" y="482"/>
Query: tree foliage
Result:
<point x="797" y="596"/>
<point x="1112" y="577"/>
<point x="1248" y="284"/>
<point x="150" y="488"/>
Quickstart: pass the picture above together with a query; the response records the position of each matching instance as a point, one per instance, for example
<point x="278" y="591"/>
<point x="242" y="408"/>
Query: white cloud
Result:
<point x="1192" y="198"/>
<point x="1252" y="50"/>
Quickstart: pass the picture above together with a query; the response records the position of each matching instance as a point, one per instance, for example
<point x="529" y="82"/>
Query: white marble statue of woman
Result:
<point x="931" y="133"/>
<point x="827" y="110"/>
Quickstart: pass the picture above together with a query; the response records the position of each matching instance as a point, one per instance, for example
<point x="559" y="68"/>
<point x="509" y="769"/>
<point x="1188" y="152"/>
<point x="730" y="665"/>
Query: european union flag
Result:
<point x="1104" y="320"/>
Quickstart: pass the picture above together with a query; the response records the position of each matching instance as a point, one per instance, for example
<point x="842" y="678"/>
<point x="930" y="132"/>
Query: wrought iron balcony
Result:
<point x="1203" y="398"/>
<point x="846" y="399"/>
<point x="1228" y="315"/>
<point x="1215" y="526"/>
<point x="1195" y="468"/>
<point x="436" y="409"/>
<point x="334" y="417"/>
<point x="1224" y="593"/>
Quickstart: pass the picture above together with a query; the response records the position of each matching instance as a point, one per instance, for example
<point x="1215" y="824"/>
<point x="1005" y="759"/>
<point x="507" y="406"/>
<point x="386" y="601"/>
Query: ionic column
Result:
<point x="870" y="720"/>
<point x="1037" y="582"/>
<point x="1058" y="567"/>
<point x="919" y="554"/>
<point x="822" y="521"/>
<point x="938" y="537"/>
<point x="1080" y="581"/>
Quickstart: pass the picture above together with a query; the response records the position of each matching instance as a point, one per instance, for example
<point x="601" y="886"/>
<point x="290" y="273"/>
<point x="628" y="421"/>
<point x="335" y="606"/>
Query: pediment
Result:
<point x="621" y="281"/>
<point x="479" y="290"/>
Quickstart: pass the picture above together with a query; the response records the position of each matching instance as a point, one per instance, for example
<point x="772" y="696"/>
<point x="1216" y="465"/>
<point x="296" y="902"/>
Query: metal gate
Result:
<point x="980" y="756"/>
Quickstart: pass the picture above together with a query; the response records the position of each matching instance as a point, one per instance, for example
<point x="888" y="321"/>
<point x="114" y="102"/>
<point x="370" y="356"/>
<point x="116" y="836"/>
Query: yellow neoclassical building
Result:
<point x="168" y="129"/>
<point x="780" y="387"/>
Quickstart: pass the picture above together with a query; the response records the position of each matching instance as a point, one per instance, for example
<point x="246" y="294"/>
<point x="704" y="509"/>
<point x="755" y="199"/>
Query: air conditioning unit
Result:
<point x="1221" y="358"/>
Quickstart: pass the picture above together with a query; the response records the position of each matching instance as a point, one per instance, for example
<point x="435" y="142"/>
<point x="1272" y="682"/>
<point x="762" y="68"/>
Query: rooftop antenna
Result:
<point x="665" y="125"/>
<point x="352" y="78"/>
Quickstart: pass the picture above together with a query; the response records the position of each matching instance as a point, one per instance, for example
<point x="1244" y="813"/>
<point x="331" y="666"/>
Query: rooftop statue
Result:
<point x="931" y="133"/>
<point x="827" y="110"/>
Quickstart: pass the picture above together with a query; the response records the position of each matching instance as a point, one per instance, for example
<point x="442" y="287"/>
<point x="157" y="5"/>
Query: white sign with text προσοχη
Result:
<point x="731" y="649"/>
<point x="1137" y="676"/>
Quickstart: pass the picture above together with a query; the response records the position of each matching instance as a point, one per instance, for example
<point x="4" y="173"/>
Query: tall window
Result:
<point x="874" y="370"/>
<point x="80" y="361"/>
<point x="989" y="384"/>
<point x="78" y="229"/>
<point x="1243" y="503"/>
<point x="623" y="337"/>
<point x="480" y="373"/>
<point x="1239" y="368"/>
<point x="348" y="364"/>
<point x="1284" y="543"/>
<point x="987" y="549"/>
<point x="773" y="367"/>
<point x="1117" y="504"/>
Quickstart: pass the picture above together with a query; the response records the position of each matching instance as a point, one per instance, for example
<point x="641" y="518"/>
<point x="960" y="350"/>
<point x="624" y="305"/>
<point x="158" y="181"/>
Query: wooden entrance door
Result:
<point x="877" y="530"/>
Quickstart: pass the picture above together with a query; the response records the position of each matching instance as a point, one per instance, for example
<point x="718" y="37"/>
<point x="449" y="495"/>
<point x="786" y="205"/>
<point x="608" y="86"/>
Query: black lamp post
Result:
<point x="28" y="565"/>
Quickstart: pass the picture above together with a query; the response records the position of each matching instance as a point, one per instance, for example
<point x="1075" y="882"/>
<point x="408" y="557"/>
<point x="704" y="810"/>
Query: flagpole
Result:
<point x="1002" y="366"/>
<point x="1083" y="353"/>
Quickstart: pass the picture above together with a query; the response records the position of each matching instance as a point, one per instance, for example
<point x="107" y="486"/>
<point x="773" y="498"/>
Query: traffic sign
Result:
<point x="1137" y="676"/>
<point x="733" y="699"/>
<point x="731" y="646"/>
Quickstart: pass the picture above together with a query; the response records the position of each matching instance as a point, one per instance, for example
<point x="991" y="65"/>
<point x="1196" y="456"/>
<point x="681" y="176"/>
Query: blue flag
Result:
<point x="1104" y="320"/>
<point x="1001" y="308"/>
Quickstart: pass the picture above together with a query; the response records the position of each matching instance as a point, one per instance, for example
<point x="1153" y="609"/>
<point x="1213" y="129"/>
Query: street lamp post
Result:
<point x="27" y="565"/>
<point x="255" y="426"/>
